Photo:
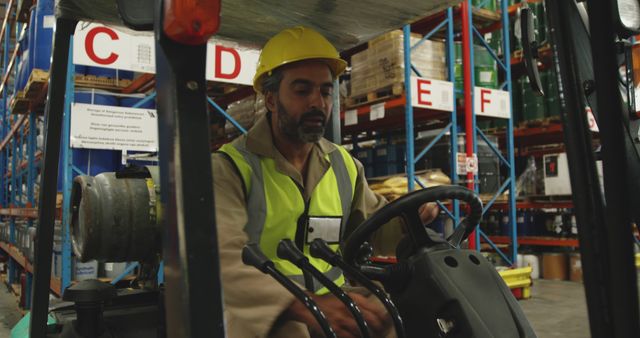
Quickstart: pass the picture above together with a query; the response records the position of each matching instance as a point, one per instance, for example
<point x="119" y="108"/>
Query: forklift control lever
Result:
<point x="253" y="256"/>
<point x="320" y="249"/>
<point x="287" y="250"/>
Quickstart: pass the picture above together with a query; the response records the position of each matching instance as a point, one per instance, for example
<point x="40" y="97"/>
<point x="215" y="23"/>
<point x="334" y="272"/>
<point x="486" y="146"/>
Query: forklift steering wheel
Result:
<point x="408" y="207"/>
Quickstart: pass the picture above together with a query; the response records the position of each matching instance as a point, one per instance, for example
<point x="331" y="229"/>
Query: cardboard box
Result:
<point x="382" y="64"/>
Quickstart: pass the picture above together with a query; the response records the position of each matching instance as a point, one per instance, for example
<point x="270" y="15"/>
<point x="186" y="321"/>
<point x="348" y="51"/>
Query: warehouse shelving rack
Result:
<point x="534" y="140"/>
<point x="69" y="171"/>
<point x="451" y="128"/>
<point x="144" y="83"/>
<point x="25" y="165"/>
<point x="20" y="157"/>
<point x="525" y="136"/>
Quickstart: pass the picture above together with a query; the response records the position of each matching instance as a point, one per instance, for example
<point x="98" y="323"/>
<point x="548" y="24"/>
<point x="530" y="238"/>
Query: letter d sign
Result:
<point x="235" y="65"/>
<point x="228" y="62"/>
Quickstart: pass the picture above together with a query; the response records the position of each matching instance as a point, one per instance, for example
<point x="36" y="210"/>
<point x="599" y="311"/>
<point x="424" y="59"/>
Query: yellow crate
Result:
<point x="517" y="278"/>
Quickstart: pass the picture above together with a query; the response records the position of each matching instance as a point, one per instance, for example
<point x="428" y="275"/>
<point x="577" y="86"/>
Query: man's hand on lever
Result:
<point x="340" y="318"/>
<point x="428" y="212"/>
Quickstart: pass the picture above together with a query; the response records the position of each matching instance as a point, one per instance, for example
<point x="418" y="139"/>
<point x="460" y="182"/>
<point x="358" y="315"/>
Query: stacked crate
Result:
<point x="381" y="65"/>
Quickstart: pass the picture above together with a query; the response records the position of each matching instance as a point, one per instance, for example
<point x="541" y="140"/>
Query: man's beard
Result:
<point x="298" y="131"/>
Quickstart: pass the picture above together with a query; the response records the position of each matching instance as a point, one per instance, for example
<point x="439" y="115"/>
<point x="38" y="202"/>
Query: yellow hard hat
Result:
<point x="296" y="44"/>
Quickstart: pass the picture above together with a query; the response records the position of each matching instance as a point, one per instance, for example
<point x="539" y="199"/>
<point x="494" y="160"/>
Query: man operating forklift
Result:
<point x="284" y="180"/>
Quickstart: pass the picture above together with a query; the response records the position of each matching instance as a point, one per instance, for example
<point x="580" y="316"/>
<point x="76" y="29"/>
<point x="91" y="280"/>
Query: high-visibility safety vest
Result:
<point x="277" y="209"/>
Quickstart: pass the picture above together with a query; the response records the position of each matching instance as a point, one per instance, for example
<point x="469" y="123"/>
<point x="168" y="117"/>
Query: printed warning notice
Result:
<point x="113" y="128"/>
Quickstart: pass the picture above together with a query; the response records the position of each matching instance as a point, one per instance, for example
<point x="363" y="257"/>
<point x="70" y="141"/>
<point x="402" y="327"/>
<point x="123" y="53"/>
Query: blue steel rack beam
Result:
<point x="451" y="128"/>
<point x="470" y="119"/>
<point x="67" y="172"/>
<point x="510" y="146"/>
<point x="451" y="55"/>
<point x="408" y="108"/>
<point x="6" y="29"/>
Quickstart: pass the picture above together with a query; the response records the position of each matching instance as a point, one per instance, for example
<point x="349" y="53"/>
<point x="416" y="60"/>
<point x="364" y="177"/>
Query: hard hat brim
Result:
<point x="337" y="66"/>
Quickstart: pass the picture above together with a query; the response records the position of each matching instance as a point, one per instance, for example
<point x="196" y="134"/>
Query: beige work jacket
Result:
<point x="253" y="301"/>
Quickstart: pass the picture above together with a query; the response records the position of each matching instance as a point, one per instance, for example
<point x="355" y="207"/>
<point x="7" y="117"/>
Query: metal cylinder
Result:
<point x="114" y="219"/>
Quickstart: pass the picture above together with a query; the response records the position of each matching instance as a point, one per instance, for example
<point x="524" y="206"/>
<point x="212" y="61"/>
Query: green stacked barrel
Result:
<point x="458" y="69"/>
<point x="486" y="4"/>
<point x="540" y="21"/>
<point x="516" y="102"/>
<point x="485" y="68"/>
<point x="533" y="106"/>
<point x="552" y="96"/>
<point x="494" y="39"/>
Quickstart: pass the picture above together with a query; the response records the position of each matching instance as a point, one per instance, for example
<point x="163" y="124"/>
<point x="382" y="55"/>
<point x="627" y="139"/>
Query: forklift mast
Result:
<point x="585" y="61"/>
<point x="193" y="293"/>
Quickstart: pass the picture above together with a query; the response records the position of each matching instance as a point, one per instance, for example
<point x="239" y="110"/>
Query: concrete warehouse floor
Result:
<point x="9" y="314"/>
<point x="557" y="309"/>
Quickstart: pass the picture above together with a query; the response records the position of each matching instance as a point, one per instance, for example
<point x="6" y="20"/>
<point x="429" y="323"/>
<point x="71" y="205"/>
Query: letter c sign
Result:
<point x="89" y="42"/>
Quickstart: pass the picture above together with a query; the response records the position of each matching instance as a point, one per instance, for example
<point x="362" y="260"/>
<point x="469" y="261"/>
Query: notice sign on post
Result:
<point x="431" y="94"/>
<point x="103" y="46"/>
<point x="491" y="102"/>
<point x="113" y="128"/>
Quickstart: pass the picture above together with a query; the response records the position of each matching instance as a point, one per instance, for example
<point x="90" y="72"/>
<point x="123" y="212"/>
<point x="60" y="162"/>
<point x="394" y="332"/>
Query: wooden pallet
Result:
<point x="19" y="103"/>
<point x="495" y="130"/>
<point x="553" y="119"/>
<point x="531" y="123"/>
<point x="100" y="82"/>
<point x="545" y="122"/>
<point x="483" y="17"/>
<point x="37" y="80"/>
<point x="378" y="95"/>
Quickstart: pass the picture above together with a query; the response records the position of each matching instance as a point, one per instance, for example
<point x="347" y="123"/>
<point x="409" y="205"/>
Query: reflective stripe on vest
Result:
<point x="269" y="192"/>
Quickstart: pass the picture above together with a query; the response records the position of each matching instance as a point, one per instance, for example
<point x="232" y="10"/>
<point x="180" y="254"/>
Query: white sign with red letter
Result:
<point x="431" y="94"/>
<point x="229" y="62"/>
<point x="491" y="102"/>
<point x="102" y="46"/>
